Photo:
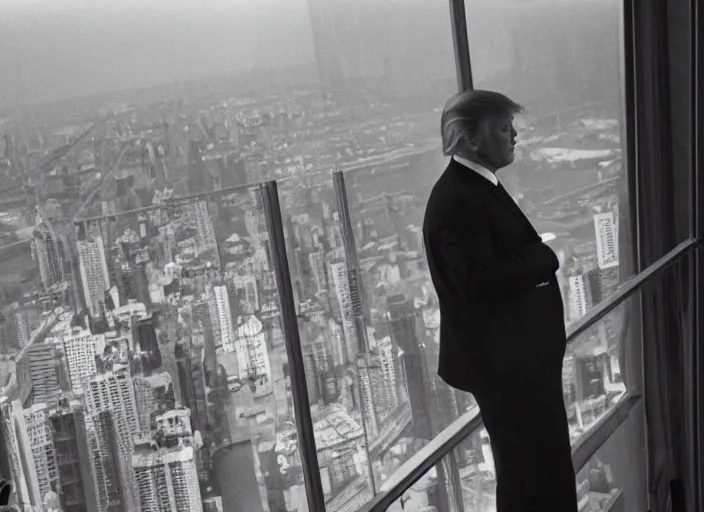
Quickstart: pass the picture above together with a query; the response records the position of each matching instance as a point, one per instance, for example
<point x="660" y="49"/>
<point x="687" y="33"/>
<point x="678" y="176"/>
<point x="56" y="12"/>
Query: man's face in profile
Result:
<point x="496" y="141"/>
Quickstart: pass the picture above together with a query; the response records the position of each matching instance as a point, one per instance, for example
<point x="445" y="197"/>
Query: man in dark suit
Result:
<point x="502" y="333"/>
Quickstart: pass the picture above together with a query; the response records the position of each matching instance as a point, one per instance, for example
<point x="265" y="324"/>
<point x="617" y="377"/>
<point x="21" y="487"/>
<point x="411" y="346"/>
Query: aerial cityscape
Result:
<point x="143" y="357"/>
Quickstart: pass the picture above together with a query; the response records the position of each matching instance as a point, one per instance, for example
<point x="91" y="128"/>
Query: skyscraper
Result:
<point x="46" y="247"/>
<point x="94" y="274"/>
<point x="109" y="466"/>
<point x="113" y="392"/>
<point x="167" y="480"/>
<point x="80" y="349"/>
<point x="38" y="373"/>
<point x="144" y="399"/>
<point x="221" y="317"/>
<point x="402" y="327"/>
<point x="76" y="488"/>
<point x="42" y="446"/>
<point x="338" y="271"/>
<point x="205" y="233"/>
<point x="389" y="398"/>
<point x="18" y="450"/>
<point x="578" y="300"/>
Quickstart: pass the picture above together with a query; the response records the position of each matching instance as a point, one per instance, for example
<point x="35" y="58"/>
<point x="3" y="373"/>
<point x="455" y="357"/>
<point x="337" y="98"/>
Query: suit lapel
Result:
<point x="502" y="195"/>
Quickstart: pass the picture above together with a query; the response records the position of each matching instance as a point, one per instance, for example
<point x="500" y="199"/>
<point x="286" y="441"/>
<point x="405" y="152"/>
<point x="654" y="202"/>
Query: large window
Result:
<point x="143" y="346"/>
<point x="562" y="61"/>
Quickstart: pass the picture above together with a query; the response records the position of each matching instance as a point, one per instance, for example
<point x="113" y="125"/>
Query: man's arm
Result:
<point x="480" y="272"/>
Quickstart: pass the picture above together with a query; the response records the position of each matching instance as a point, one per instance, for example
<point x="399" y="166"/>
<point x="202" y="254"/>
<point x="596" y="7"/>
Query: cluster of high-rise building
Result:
<point x="150" y="365"/>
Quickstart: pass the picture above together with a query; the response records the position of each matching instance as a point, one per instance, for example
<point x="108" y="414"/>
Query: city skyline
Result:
<point x="146" y="330"/>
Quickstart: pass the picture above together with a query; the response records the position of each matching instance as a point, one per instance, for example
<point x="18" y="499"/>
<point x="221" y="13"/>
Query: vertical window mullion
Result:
<point x="461" y="44"/>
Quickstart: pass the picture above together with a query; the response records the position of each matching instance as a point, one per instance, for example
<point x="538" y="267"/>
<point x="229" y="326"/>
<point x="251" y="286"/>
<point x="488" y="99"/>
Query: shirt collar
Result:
<point x="478" y="168"/>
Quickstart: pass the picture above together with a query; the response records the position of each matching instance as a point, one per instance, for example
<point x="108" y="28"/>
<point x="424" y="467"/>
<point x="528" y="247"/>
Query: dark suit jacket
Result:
<point x="486" y="260"/>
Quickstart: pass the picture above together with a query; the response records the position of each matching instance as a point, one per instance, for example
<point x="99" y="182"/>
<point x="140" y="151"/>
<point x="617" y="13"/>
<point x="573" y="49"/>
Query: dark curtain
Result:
<point x="663" y="106"/>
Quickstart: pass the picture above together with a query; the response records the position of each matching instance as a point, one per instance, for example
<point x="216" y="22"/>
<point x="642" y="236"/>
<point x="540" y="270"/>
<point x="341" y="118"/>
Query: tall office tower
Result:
<point x="76" y="487"/>
<point x="338" y="271"/>
<point x="42" y="445"/>
<point x="416" y="375"/>
<point x="311" y="373"/>
<point x="46" y="247"/>
<point x="199" y="413"/>
<point x="167" y="480"/>
<point x="375" y="43"/>
<point x="197" y="179"/>
<point x="38" y="373"/>
<point x="18" y="448"/>
<point x="334" y="232"/>
<point x="144" y="400"/>
<point x="253" y="356"/>
<point x="205" y="233"/>
<point x="80" y="348"/>
<point x="113" y="392"/>
<point x="109" y="467"/>
<point x="369" y="380"/>
<point x="145" y="334"/>
<point x="303" y="281"/>
<point x="186" y="377"/>
<point x="247" y="292"/>
<point x="327" y="381"/>
<point x="595" y="285"/>
<point x="221" y="317"/>
<point x="167" y="243"/>
<point x="320" y="271"/>
<point x="579" y="303"/>
<point x="606" y="229"/>
<point x="389" y="398"/>
<point x="325" y="18"/>
<point x="340" y="355"/>
<point x="94" y="274"/>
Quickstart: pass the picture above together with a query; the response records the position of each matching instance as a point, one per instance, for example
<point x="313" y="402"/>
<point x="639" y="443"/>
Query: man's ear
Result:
<point x="471" y="143"/>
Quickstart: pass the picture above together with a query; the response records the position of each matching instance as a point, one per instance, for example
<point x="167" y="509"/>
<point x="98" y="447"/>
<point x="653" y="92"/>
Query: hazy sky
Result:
<point x="62" y="48"/>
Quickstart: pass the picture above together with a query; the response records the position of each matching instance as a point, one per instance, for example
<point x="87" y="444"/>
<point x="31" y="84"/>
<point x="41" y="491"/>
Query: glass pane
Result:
<point x="610" y="481"/>
<point x="152" y="372"/>
<point x="358" y="363"/>
<point x="592" y="386"/>
<point x="386" y="201"/>
<point x="562" y="61"/>
<point x="209" y="97"/>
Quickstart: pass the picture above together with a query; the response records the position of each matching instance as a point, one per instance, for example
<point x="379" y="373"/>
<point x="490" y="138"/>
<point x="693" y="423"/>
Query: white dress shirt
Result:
<point x="486" y="173"/>
<point x="478" y="168"/>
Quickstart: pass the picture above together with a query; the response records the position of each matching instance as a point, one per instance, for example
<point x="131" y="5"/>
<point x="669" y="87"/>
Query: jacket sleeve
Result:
<point x="480" y="271"/>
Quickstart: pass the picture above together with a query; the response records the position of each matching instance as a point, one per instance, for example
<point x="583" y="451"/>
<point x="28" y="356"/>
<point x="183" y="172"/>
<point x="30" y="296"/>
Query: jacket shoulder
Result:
<point x="450" y="193"/>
